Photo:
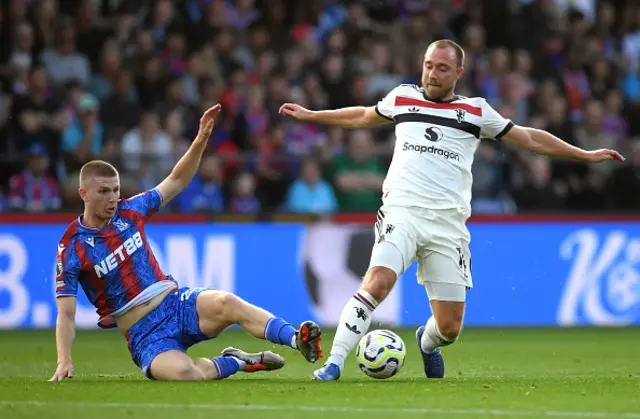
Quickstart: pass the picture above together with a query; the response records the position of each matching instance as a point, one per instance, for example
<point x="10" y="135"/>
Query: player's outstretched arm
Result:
<point x="65" y="334"/>
<point x="187" y="166"/>
<point x="542" y="142"/>
<point x="352" y="117"/>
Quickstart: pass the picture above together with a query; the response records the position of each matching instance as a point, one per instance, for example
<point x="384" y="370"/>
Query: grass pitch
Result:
<point x="491" y="373"/>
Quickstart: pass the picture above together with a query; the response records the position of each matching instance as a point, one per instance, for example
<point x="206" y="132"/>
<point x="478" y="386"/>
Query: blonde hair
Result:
<point x="97" y="168"/>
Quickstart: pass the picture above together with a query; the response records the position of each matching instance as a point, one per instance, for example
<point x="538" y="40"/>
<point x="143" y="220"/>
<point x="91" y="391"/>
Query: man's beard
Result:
<point x="438" y="91"/>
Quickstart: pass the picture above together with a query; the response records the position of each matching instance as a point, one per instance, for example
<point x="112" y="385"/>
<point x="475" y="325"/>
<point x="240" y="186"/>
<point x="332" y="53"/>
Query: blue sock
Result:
<point x="279" y="331"/>
<point x="225" y="366"/>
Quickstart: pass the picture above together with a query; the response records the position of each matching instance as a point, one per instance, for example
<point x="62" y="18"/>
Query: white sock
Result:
<point x="354" y="323"/>
<point x="432" y="338"/>
<point x="294" y="345"/>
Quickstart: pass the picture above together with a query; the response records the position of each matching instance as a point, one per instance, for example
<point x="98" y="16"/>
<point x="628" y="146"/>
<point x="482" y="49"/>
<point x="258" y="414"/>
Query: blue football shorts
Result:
<point x="173" y="325"/>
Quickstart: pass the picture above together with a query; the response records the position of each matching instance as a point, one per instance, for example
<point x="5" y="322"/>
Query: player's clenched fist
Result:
<point x="296" y="112"/>
<point x="63" y="371"/>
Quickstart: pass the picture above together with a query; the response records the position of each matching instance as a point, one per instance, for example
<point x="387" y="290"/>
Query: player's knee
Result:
<point x="450" y="328"/>
<point x="176" y="370"/>
<point x="225" y="305"/>
<point x="379" y="282"/>
<point x="188" y="372"/>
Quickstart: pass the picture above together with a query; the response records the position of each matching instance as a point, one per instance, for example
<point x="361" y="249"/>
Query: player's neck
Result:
<point x="91" y="221"/>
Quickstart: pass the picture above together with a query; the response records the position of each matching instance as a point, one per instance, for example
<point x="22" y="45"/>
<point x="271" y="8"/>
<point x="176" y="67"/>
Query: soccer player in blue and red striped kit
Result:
<point x="106" y="252"/>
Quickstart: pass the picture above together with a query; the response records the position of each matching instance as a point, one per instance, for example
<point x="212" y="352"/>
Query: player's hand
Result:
<point x="296" y="112"/>
<point x="603" y="154"/>
<point x="64" y="370"/>
<point x="207" y="121"/>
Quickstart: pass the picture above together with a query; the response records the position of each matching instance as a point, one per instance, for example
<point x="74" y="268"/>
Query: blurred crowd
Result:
<point x="127" y="80"/>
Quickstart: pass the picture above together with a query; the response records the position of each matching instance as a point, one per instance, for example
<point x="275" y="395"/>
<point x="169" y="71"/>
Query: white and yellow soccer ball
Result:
<point x="381" y="354"/>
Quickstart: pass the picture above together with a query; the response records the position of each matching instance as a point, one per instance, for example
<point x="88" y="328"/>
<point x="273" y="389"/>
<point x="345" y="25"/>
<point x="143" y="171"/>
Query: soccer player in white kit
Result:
<point x="426" y="198"/>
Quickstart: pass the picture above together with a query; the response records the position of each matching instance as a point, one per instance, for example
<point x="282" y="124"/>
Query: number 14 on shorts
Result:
<point x="462" y="262"/>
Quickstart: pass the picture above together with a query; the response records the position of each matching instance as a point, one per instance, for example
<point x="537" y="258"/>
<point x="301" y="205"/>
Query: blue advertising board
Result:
<point x="536" y="274"/>
<point x="547" y="274"/>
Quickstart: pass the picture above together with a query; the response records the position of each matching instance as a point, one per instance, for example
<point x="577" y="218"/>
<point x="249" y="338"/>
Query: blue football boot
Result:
<point x="329" y="372"/>
<point x="433" y="362"/>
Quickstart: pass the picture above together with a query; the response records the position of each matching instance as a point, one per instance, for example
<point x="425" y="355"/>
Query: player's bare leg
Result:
<point x="178" y="366"/>
<point x="448" y="316"/>
<point x="218" y="310"/>
<point x="442" y="329"/>
<point x="356" y="319"/>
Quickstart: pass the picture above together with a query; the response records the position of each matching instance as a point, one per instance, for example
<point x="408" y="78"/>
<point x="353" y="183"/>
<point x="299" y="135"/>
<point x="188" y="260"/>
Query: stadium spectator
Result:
<point x="69" y="96"/>
<point x="490" y="193"/>
<point x="244" y="200"/>
<point x="45" y="18"/>
<point x="310" y="193"/>
<point x="35" y="116"/>
<point x="160" y="20"/>
<point x="33" y="189"/>
<point x="150" y="84"/>
<point x="204" y="193"/>
<point x="191" y="79"/>
<point x="257" y="116"/>
<point x="274" y="168"/>
<point x="601" y="78"/>
<point x="241" y="15"/>
<point x="148" y="149"/>
<point x="20" y="54"/>
<point x="64" y="63"/>
<point x="575" y="80"/>
<point x="539" y="193"/>
<point x="120" y="111"/>
<point x="358" y="175"/>
<point x="173" y="54"/>
<point x="174" y="127"/>
<point x="514" y="95"/>
<point x="82" y="140"/>
<point x="590" y="133"/>
<point x="102" y="83"/>
<point x="613" y="121"/>
<point x="631" y="40"/>
<point x="489" y="83"/>
<point x="175" y="101"/>
<point x="556" y="119"/>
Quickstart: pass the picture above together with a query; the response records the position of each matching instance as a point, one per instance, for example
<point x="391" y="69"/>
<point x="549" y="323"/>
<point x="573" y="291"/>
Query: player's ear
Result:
<point x="460" y="70"/>
<point x="83" y="193"/>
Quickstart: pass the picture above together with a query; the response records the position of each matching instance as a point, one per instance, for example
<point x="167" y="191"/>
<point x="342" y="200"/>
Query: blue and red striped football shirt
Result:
<point x="114" y="265"/>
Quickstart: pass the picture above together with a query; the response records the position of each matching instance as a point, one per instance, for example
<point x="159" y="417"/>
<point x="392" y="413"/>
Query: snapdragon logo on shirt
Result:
<point x="431" y="149"/>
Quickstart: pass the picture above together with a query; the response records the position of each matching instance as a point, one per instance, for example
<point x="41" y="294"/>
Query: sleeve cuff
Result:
<point x="506" y="129"/>
<point x="384" y="116"/>
<point x="159" y="195"/>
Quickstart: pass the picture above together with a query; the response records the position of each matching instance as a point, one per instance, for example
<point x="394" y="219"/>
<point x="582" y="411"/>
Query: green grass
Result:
<point x="491" y="373"/>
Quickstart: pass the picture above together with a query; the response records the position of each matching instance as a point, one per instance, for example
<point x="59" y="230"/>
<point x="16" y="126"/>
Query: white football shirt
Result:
<point x="435" y="146"/>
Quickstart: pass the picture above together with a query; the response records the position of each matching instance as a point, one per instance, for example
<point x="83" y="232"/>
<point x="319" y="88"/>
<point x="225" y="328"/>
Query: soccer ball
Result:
<point x="381" y="354"/>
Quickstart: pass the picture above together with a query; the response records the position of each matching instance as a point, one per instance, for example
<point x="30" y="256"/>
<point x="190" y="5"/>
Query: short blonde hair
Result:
<point x="447" y="43"/>
<point x="97" y="168"/>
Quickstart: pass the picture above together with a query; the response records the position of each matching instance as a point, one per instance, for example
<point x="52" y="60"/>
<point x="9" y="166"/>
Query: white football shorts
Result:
<point x="437" y="239"/>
